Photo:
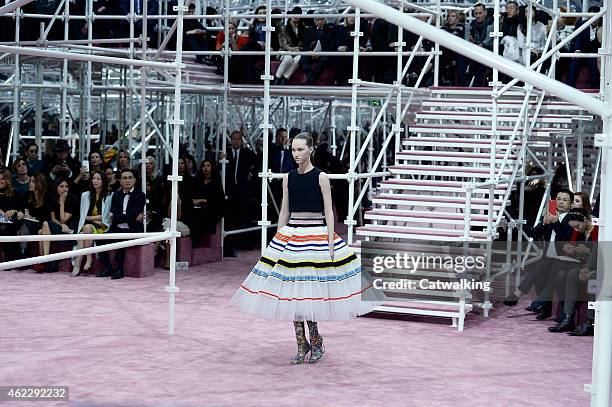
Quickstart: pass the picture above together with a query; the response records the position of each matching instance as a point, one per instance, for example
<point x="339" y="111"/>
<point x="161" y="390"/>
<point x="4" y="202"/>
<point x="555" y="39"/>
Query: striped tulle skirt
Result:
<point x="296" y="279"/>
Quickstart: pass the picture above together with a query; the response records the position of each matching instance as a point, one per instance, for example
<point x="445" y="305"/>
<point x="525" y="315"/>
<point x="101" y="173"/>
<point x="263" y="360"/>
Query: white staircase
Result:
<point x="433" y="194"/>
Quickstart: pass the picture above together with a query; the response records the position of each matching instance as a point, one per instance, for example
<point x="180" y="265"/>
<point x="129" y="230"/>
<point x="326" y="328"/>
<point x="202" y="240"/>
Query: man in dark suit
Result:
<point x="556" y="232"/>
<point x="152" y="9"/>
<point x="317" y="38"/>
<point x="238" y="175"/>
<point x="586" y="42"/>
<point x="127" y="215"/>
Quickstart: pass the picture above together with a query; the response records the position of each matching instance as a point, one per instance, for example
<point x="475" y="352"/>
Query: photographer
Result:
<point x="63" y="165"/>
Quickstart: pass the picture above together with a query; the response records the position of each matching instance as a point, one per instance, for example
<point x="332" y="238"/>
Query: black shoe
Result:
<point x="545" y="312"/>
<point x="529" y="308"/>
<point x="583" y="330"/>
<point x="559" y="318"/>
<point x="107" y="272"/>
<point x="511" y="300"/>
<point x="230" y="253"/>
<point x="118" y="274"/>
<point x="52" y="267"/>
<point x="566" y="325"/>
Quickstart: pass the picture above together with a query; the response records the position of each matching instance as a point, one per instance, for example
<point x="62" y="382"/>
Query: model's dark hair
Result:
<point x="306" y="137"/>
<point x="577" y="214"/>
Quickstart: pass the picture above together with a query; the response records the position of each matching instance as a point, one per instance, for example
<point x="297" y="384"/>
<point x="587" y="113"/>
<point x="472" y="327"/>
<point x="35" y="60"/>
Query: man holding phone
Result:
<point x="555" y="232"/>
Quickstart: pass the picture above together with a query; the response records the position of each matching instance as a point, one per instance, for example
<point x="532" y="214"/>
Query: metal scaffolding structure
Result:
<point x="156" y="100"/>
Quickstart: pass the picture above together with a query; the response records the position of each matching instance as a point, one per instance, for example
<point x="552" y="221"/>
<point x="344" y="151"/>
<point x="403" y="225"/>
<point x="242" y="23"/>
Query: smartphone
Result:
<point x="86" y="165"/>
<point x="552" y="206"/>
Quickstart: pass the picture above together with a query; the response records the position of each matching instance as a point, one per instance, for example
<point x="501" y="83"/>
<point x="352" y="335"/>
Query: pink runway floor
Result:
<point x="107" y="341"/>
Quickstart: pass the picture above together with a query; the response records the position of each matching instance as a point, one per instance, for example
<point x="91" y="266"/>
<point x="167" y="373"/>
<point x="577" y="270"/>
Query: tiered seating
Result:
<point x="448" y="148"/>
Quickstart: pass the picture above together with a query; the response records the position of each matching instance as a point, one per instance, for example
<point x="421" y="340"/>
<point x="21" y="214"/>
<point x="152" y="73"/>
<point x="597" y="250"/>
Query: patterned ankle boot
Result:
<point x="302" y="343"/>
<point x="316" y="342"/>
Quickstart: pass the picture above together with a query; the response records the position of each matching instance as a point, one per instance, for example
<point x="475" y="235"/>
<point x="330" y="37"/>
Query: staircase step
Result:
<point x="450" y="218"/>
<point x="502" y="117"/>
<point x="416" y="233"/>
<point x="440" y="186"/>
<point x="485" y="130"/>
<point x="484" y="104"/>
<point x="446" y="171"/>
<point x="465" y="142"/>
<point x="454" y="156"/>
<point x="435" y="201"/>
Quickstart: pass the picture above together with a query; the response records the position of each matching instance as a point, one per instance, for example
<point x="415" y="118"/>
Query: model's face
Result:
<point x="577" y="202"/>
<point x="62" y="188"/>
<point x="480" y="14"/>
<point x="95" y="159"/>
<point x="511" y="10"/>
<point x="127" y="181"/>
<point x="21" y="167"/>
<point x="300" y="150"/>
<point x="578" y="226"/>
<point x="564" y="202"/>
<point x="96" y="181"/>
<point x="32" y="153"/>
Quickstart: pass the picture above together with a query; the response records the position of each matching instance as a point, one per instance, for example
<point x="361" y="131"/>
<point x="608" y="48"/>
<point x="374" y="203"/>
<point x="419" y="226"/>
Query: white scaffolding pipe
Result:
<point x="171" y="288"/>
<point x="485" y="57"/>
<point x="9" y="8"/>
<point x="143" y="107"/>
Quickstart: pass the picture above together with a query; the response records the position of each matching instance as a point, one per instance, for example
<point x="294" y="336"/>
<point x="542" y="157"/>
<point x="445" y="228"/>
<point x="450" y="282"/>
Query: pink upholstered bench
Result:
<point x="207" y="249"/>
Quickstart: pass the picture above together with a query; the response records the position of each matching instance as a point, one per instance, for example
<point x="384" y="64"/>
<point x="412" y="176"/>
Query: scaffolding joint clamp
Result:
<point x="352" y="128"/>
<point x="593" y="305"/>
<point x="265" y="126"/>
<point x="264" y="223"/>
<point x="498" y="34"/>
<point x="268" y="29"/>
<point x="265" y="174"/>
<point x="397" y="128"/>
<point x="173" y="289"/>
<point x="350" y="222"/>
<point x="355" y="81"/>
<point x="173" y="178"/>
<point x="601" y="140"/>
<point x="604" y="51"/>
<point x="181" y="8"/>
<point x="469" y="186"/>
<point x="359" y="34"/>
<point x="177" y="122"/>
<point x="266" y="77"/>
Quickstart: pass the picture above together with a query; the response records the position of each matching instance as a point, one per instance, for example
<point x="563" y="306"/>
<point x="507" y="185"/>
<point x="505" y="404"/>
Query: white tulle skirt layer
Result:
<point x="296" y="280"/>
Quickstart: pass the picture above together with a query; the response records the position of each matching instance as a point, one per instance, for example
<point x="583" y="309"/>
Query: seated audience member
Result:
<point x="379" y="68"/>
<point x="538" y="40"/>
<point x="318" y="38"/>
<point x="127" y="216"/>
<point x="181" y="227"/>
<point x="8" y="213"/>
<point x="111" y="180"/>
<point x="343" y="43"/>
<point x="195" y="36"/>
<point x="565" y="27"/>
<point x="191" y="167"/>
<point x="510" y="19"/>
<point x="21" y="179"/>
<point x="34" y="164"/>
<point x="244" y="65"/>
<point x="291" y="38"/>
<point x="454" y="65"/>
<point x="588" y="41"/>
<point x="94" y="216"/>
<point x="123" y="161"/>
<point x="571" y="281"/>
<point x="152" y="176"/>
<point x="582" y="201"/>
<point x="235" y="42"/>
<point x="207" y="202"/>
<point x="63" y="165"/>
<point x="556" y="232"/>
<point x="95" y="162"/>
<point x="64" y="219"/>
<point x="35" y="210"/>
<point x="480" y="34"/>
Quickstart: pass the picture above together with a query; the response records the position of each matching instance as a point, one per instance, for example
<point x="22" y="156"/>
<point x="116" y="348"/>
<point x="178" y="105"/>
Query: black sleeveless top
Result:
<point x="304" y="191"/>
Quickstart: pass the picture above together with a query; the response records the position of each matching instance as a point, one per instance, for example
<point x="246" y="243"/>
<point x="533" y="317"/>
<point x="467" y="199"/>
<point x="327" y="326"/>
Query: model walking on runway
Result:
<point x="307" y="273"/>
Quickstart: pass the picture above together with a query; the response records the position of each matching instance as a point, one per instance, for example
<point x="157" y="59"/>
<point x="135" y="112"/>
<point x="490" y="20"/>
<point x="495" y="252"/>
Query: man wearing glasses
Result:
<point x="127" y="215"/>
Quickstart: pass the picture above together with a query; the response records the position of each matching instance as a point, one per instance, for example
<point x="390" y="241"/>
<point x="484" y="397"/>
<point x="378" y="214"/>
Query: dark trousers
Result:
<point x="119" y="253"/>
<point x="574" y="69"/>
<point x="313" y="68"/>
